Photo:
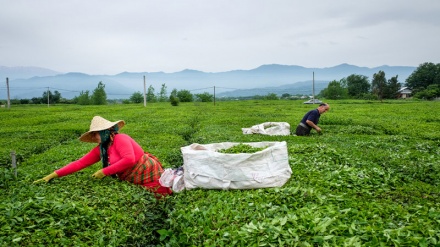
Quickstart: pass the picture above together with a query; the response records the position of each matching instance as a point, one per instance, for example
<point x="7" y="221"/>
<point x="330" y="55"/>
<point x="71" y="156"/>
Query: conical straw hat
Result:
<point x="99" y="123"/>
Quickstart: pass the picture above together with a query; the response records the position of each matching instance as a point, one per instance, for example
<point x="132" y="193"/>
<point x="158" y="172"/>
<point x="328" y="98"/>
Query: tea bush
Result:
<point x="371" y="179"/>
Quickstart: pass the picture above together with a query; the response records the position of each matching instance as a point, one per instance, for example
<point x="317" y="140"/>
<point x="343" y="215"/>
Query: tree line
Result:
<point x="424" y="83"/>
<point x="99" y="97"/>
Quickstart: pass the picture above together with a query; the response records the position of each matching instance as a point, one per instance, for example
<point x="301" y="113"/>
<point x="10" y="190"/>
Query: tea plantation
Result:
<point x="371" y="179"/>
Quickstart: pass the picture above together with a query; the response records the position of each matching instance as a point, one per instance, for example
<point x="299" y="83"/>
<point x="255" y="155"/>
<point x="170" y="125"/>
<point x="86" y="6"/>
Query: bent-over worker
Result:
<point x="310" y="120"/>
<point x="120" y="155"/>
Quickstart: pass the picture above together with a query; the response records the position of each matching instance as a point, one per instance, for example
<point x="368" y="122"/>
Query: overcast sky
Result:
<point x="109" y="36"/>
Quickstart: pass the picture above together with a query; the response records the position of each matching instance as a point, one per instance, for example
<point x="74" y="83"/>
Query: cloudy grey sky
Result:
<point x="109" y="36"/>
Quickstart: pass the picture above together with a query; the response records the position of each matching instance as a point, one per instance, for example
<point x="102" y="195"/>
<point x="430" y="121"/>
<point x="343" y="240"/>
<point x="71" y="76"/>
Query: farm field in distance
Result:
<point x="371" y="179"/>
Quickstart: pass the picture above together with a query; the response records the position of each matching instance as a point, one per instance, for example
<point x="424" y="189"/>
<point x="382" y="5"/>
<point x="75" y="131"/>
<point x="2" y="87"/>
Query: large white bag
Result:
<point x="204" y="167"/>
<point x="269" y="128"/>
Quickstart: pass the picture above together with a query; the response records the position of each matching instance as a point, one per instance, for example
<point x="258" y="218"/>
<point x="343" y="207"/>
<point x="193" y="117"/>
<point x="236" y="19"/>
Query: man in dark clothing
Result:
<point x="310" y="120"/>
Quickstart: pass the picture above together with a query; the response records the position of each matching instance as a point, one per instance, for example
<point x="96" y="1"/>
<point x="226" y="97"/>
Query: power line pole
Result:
<point x="7" y="89"/>
<point x="313" y="89"/>
<point x="47" y="96"/>
<point x="145" y="93"/>
<point x="214" y="95"/>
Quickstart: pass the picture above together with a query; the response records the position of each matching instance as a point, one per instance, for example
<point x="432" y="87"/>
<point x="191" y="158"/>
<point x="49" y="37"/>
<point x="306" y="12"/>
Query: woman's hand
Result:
<point x="98" y="174"/>
<point x="47" y="178"/>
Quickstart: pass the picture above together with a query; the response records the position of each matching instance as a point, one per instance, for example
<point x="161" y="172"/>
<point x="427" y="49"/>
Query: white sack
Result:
<point x="206" y="168"/>
<point x="269" y="128"/>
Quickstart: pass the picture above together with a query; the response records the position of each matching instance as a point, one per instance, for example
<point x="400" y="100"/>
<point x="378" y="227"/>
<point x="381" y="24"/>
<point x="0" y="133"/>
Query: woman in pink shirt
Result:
<point x="121" y="156"/>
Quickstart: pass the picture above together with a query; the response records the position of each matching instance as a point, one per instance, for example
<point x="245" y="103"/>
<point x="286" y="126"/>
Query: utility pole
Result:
<point x="7" y="89"/>
<point x="214" y="95"/>
<point x="313" y="88"/>
<point x="145" y="94"/>
<point x="47" y="96"/>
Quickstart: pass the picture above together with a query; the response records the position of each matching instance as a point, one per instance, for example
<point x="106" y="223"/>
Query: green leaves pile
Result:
<point x="373" y="179"/>
<point x="240" y="148"/>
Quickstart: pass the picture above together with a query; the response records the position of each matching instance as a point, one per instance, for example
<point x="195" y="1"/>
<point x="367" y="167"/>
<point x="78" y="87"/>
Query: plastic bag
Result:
<point x="173" y="178"/>
<point x="166" y="180"/>
<point x="178" y="183"/>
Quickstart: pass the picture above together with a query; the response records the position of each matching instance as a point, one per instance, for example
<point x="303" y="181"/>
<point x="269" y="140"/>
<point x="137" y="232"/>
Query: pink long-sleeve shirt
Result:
<point x="123" y="154"/>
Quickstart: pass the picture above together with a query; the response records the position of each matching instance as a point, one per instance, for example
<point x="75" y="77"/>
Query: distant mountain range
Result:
<point x="29" y="82"/>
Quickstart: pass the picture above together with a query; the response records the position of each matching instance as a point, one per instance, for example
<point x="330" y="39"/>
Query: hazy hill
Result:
<point x="69" y="85"/>
<point x="265" y="79"/>
<point x="303" y="88"/>
<point x="24" y="72"/>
